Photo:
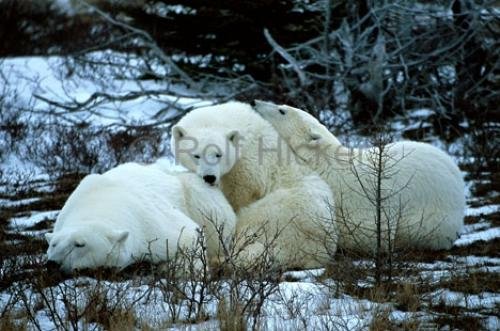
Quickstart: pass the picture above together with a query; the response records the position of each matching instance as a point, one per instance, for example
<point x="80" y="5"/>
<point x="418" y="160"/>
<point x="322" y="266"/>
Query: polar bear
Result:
<point x="137" y="212"/>
<point x="296" y="224"/>
<point x="230" y="146"/>
<point x="421" y="191"/>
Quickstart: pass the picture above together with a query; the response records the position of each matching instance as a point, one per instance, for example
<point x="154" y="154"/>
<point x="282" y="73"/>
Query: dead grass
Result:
<point x="473" y="283"/>
<point x="9" y="323"/>
<point x="407" y="297"/>
<point x="381" y="321"/>
<point x="494" y="218"/>
<point x="113" y="320"/>
<point x="454" y="318"/>
<point x="479" y="248"/>
<point x="231" y="317"/>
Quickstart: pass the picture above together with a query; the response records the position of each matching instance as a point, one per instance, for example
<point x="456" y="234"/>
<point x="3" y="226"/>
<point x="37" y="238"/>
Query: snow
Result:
<point x="492" y="323"/>
<point x="65" y="7"/>
<point x="417" y="126"/>
<point x="436" y="276"/>
<point x="490" y="13"/>
<point x="27" y="83"/>
<point x="470" y="228"/>
<point x="34" y="78"/>
<point x="17" y="203"/>
<point x="398" y="126"/>
<point x="447" y="73"/>
<point x="421" y="113"/>
<point x="485" y="235"/>
<point x="19" y="171"/>
<point x="481" y="231"/>
<point x="483" y="210"/>
<point x="304" y="305"/>
<point x="20" y="223"/>
<point x="414" y="120"/>
<point x="294" y="305"/>
<point x="164" y="10"/>
<point x="475" y="261"/>
<point x="465" y="300"/>
<point x="305" y="275"/>
<point x="285" y="309"/>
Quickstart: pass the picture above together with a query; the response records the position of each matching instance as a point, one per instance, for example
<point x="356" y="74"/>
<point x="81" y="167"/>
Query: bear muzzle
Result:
<point x="210" y="179"/>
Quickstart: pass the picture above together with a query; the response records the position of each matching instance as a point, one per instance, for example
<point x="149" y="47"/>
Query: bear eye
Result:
<point x="315" y="136"/>
<point x="79" y="245"/>
<point x="54" y="245"/>
<point x="282" y="112"/>
<point x="218" y="156"/>
<point x="196" y="156"/>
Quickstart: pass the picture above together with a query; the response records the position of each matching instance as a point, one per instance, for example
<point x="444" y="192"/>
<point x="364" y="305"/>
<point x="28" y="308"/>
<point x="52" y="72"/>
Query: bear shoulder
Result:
<point x="204" y="201"/>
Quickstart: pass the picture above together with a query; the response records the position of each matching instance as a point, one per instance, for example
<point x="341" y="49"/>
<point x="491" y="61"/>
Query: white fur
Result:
<point x="257" y="173"/>
<point x="423" y="188"/>
<point x="298" y="223"/>
<point x="134" y="212"/>
<point x="250" y="166"/>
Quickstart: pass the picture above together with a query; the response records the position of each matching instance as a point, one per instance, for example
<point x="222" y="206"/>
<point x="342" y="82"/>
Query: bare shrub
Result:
<point x="141" y="144"/>
<point x="389" y="58"/>
<point x="248" y="283"/>
<point x="381" y="320"/>
<point x="12" y="127"/>
<point x="231" y="316"/>
<point x="59" y="149"/>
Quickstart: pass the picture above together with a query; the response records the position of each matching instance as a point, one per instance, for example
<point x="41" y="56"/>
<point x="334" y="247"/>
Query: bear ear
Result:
<point x="48" y="236"/>
<point x="119" y="236"/>
<point x="315" y="139"/>
<point x="178" y="132"/>
<point x="233" y="136"/>
<point x="260" y="104"/>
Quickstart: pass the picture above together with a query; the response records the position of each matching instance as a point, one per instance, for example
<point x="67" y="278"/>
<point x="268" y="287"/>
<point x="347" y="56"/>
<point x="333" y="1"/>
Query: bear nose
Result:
<point x="52" y="265"/>
<point x="210" y="179"/>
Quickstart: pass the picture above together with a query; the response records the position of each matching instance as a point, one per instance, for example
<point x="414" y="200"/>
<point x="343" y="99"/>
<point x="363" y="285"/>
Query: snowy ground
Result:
<point x="302" y="300"/>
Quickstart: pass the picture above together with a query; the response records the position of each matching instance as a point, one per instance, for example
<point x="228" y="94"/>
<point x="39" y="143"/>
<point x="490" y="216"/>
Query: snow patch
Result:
<point x="485" y="235"/>
<point x="485" y="300"/>
<point x="483" y="210"/>
<point x="17" y="203"/>
<point x="20" y="223"/>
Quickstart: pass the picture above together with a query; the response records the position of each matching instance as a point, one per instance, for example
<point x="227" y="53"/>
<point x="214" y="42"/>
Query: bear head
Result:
<point x="305" y="135"/>
<point x="209" y="152"/>
<point x="87" y="247"/>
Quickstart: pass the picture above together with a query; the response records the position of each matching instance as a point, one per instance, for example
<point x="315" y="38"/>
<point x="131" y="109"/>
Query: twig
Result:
<point x="289" y="58"/>
<point x="151" y="43"/>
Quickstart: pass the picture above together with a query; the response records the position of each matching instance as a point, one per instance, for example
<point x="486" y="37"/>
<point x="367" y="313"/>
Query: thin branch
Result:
<point x="289" y="58"/>
<point x="150" y="43"/>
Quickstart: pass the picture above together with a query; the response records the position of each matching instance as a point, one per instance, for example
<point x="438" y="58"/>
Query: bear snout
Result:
<point x="210" y="179"/>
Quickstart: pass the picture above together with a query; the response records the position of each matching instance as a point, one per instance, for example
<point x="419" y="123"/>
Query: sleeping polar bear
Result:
<point x="421" y="189"/>
<point x="137" y="212"/>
